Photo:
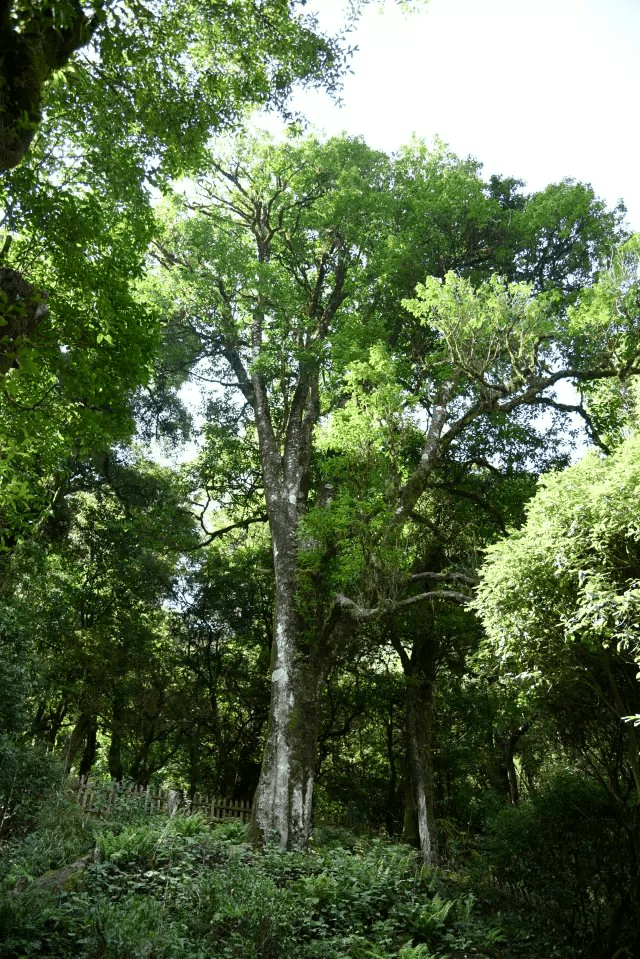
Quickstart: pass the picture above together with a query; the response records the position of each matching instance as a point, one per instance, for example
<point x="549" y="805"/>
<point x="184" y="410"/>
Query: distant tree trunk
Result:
<point x="419" y="825"/>
<point x="508" y="766"/>
<point x="419" y="670"/>
<point x="38" y="723"/>
<point x="193" y="749"/>
<point x="53" y="723"/>
<point x="392" y="787"/>
<point x="90" y="750"/>
<point x="247" y="778"/>
<point x="116" y="769"/>
<point x="140" y="767"/>
<point x="504" y="773"/>
<point x="76" y="739"/>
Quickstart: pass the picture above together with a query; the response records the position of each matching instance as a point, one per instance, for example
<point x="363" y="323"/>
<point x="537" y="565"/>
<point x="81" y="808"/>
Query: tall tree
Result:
<point x="283" y="264"/>
<point x="93" y="590"/>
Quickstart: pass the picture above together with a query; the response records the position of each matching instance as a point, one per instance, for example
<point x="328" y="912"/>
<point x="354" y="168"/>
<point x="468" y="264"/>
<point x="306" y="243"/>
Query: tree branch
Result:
<point x="446" y="578"/>
<point x="218" y="533"/>
<point x="360" y="612"/>
<point x="582" y="412"/>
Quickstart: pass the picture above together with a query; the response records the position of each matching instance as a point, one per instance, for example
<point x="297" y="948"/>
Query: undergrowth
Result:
<point x="182" y="889"/>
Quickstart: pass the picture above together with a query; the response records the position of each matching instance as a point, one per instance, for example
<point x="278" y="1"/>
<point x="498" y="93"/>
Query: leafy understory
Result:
<point x="178" y="888"/>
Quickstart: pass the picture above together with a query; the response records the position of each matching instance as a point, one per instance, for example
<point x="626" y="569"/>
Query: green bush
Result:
<point x="61" y="833"/>
<point x="562" y="859"/>
<point x="28" y="775"/>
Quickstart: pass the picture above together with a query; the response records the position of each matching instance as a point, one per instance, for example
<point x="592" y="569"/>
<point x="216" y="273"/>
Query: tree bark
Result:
<point x="27" y="60"/>
<point x="116" y="769"/>
<point x="390" y="813"/>
<point x="90" y="750"/>
<point x="78" y="734"/>
<point x="283" y="801"/>
<point x="419" y="825"/>
<point x="420" y="673"/>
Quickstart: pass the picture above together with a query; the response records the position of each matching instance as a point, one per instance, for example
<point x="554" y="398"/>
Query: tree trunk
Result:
<point x="283" y="801"/>
<point x="80" y="730"/>
<point x="116" y="769"/>
<point x="90" y="750"/>
<point x="418" y="827"/>
<point x="420" y="673"/>
<point x="285" y="417"/>
<point x="390" y="813"/>
<point x="194" y="752"/>
<point x="55" y="721"/>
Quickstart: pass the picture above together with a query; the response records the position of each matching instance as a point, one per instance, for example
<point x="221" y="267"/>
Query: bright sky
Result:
<point x="538" y="89"/>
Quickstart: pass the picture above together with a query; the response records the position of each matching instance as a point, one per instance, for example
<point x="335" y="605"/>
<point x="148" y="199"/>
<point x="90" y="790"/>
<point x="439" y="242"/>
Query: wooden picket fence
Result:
<point x="101" y="798"/>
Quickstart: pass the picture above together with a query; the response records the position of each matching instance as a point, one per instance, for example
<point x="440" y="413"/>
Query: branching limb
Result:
<point x="582" y="413"/>
<point x="362" y="613"/>
<point x="446" y="578"/>
<point x="212" y="535"/>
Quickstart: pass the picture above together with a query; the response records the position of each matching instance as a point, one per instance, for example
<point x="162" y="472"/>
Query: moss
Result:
<point x="294" y="719"/>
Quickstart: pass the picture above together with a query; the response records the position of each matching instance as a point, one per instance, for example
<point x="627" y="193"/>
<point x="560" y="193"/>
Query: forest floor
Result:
<point x="158" y="888"/>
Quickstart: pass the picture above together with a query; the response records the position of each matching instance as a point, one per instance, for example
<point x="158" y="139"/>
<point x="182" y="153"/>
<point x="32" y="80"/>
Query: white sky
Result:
<point x="538" y="89"/>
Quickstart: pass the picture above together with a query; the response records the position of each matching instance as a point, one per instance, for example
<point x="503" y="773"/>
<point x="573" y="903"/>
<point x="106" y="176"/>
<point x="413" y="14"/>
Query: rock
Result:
<point x="59" y="880"/>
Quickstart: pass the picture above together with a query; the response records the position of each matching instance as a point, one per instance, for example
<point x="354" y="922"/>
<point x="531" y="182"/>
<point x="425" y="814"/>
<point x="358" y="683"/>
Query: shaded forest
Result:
<point x="319" y="482"/>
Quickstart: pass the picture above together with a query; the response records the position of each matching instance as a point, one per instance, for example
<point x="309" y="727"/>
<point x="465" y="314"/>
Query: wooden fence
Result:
<point x="102" y="798"/>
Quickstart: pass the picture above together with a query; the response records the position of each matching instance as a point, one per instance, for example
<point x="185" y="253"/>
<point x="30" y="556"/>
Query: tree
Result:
<point x="222" y="642"/>
<point x="37" y="39"/>
<point x="238" y="56"/>
<point x="89" y="79"/>
<point x="559" y="600"/>
<point x="281" y="266"/>
<point x="92" y="591"/>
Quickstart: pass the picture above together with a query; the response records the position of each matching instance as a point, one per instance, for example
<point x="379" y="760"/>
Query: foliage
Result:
<point x="563" y="868"/>
<point x="27" y="775"/>
<point x="76" y="338"/>
<point x="277" y="278"/>
<point x="92" y="620"/>
<point x="559" y="600"/>
<point x="59" y="831"/>
<point x="570" y="576"/>
<point x="178" y="888"/>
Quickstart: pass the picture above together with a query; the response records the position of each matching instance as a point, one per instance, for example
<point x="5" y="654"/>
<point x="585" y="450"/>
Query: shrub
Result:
<point x="28" y="775"/>
<point x="181" y="889"/>
<point x="563" y="858"/>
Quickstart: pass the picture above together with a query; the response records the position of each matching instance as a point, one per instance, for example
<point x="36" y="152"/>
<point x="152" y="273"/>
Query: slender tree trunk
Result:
<point x="55" y="720"/>
<point x="419" y="813"/>
<point x="420" y="672"/>
<point x="193" y="749"/>
<point x="390" y="813"/>
<point x="116" y="769"/>
<point x="90" y="750"/>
